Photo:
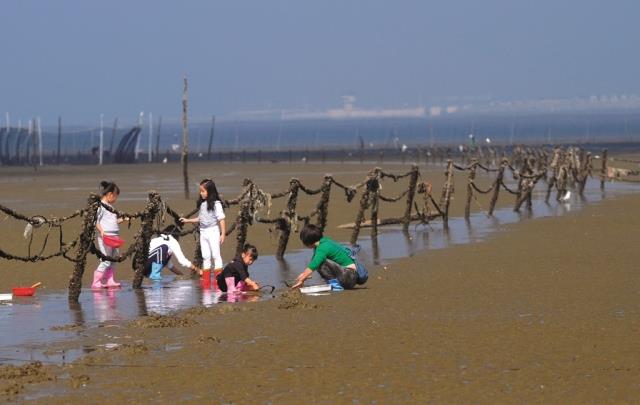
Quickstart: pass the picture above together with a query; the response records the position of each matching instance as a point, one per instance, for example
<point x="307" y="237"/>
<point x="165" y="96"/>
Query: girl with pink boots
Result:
<point x="235" y="276"/>
<point x="212" y="230"/>
<point x="107" y="225"/>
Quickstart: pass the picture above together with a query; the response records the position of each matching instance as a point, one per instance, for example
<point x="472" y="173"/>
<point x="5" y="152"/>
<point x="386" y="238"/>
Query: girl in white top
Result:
<point x="212" y="229"/>
<point x="107" y="223"/>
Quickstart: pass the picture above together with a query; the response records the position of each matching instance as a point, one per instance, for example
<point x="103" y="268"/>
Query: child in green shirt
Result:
<point x="330" y="259"/>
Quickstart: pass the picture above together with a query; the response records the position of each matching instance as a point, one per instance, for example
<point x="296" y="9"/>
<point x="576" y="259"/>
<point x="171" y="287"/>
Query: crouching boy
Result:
<point x="331" y="260"/>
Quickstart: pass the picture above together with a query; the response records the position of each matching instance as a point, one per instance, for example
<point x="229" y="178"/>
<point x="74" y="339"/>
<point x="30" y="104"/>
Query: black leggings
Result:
<point x="347" y="277"/>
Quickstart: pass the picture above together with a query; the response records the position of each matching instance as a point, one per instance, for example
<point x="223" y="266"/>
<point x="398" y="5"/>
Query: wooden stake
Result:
<point x="211" y="133"/>
<point x="446" y="193"/>
<point x="185" y="138"/>
<point x="86" y="239"/>
<point x="496" y="185"/>
<point x="472" y="176"/>
<point x="603" y="170"/>
<point x="157" y="159"/>
<point x="289" y="217"/>
<point x="413" y="182"/>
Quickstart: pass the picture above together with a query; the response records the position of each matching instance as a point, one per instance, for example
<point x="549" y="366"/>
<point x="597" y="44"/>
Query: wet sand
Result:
<point x="546" y="310"/>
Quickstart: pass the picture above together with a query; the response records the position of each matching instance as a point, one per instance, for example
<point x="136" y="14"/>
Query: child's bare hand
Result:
<point x="222" y="238"/>
<point x="183" y="220"/>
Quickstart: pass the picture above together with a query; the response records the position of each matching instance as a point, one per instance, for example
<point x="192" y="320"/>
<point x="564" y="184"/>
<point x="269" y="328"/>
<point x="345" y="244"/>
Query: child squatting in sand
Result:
<point x="333" y="261"/>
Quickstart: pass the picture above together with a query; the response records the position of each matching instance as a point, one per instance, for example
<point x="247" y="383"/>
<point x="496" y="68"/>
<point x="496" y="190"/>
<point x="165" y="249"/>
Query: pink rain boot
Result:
<point x="231" y="284"/>
<point x="97" y="280"/>
<point x="108" y="273"/>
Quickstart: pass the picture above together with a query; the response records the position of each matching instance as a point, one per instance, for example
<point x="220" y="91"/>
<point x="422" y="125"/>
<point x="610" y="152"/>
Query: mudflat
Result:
<point x="545" y="311"/>
<point x="61" y="190"/>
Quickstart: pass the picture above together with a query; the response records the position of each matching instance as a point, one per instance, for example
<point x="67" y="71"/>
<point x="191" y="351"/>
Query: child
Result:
<point x="107" y="225"/>
<point x="235" y="276"/>
<point x="331" y="260"/>
<point x="212" y="229"/>
<point x="161" y="250"/>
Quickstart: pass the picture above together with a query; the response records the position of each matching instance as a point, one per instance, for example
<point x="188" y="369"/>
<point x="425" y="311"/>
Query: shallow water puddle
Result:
<point x="29" y="324"/>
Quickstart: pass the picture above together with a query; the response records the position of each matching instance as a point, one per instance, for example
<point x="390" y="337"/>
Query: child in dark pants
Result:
<point x="235" y="276"/>
<point x="330" y="259"/>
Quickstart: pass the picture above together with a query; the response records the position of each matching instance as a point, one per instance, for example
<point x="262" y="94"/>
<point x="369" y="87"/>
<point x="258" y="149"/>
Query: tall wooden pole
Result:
<point x="185" y="138"/>
<point x="158" y="138"/>
<point x="150" y="138"/>
<point x="101" y="150"/>
<point x="40" y="162"/>
<point x="213" y="126"/>
<point x="113" y="136"/>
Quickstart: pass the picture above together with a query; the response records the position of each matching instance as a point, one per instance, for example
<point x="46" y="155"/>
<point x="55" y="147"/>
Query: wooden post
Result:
<point x="364" y="205"/>
<point x="197" y="253"/>
<point x="289" y="217"/>
<point x="413" y="182"/>
<point x="323" y="204"/>
<point x="185" y="138"/>
<point x="586" y="167"/>
<point x="375" y="201"/>
<point x="158" y="138"/>
<point x="113" y="137"/>
<point x="84" y="244"/>
<point x="472" y="176"/>
<point x="373" y="189"/>
<point x="497" y="184"/>
<point x="446" y="193"/>
<point x="603" y="170"/>
<point x="550" y="183"/>
<point x="243" y="219"/>
<point x="213" y="126"/>
<point x="140" y="257"/>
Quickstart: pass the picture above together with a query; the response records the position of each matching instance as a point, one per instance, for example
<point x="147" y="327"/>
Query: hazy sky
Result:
<point x="78" y="58"/>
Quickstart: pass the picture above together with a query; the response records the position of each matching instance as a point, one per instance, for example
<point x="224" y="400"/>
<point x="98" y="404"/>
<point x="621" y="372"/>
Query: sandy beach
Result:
<point x="546" y="310"/>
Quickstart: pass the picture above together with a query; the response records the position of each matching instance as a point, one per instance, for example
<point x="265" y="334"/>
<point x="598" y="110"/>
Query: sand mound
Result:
<point x="13" y="378"/>
<point x="163" y="321"/>
<point x="293" y="300"/>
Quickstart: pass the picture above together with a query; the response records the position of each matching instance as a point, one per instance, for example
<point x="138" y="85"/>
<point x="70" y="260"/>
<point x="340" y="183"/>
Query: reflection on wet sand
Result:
<point x="30" y="320"/>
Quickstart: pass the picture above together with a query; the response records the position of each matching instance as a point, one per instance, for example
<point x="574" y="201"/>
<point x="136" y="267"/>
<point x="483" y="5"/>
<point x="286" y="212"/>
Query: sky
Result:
<point x="80" y="58"/>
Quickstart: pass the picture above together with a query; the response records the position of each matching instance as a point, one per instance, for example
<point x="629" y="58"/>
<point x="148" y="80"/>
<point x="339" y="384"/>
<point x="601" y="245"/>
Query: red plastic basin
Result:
<point x="24" y="291"/>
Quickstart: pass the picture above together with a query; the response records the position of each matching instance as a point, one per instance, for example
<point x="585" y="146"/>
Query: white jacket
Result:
<point x="174" y="249"/>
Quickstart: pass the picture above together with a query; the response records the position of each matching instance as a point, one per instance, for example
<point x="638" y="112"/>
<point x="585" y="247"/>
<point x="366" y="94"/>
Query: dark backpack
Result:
<point x="363" y="274"/>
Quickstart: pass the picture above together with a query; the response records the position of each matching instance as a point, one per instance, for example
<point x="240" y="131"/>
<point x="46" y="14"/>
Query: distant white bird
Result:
<point x="488" y="140"/>
<point x="404" y="147"/>
<point x="566" y="197"/>
<point x="461" y="148"/>
<point x="165" y="160"/>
